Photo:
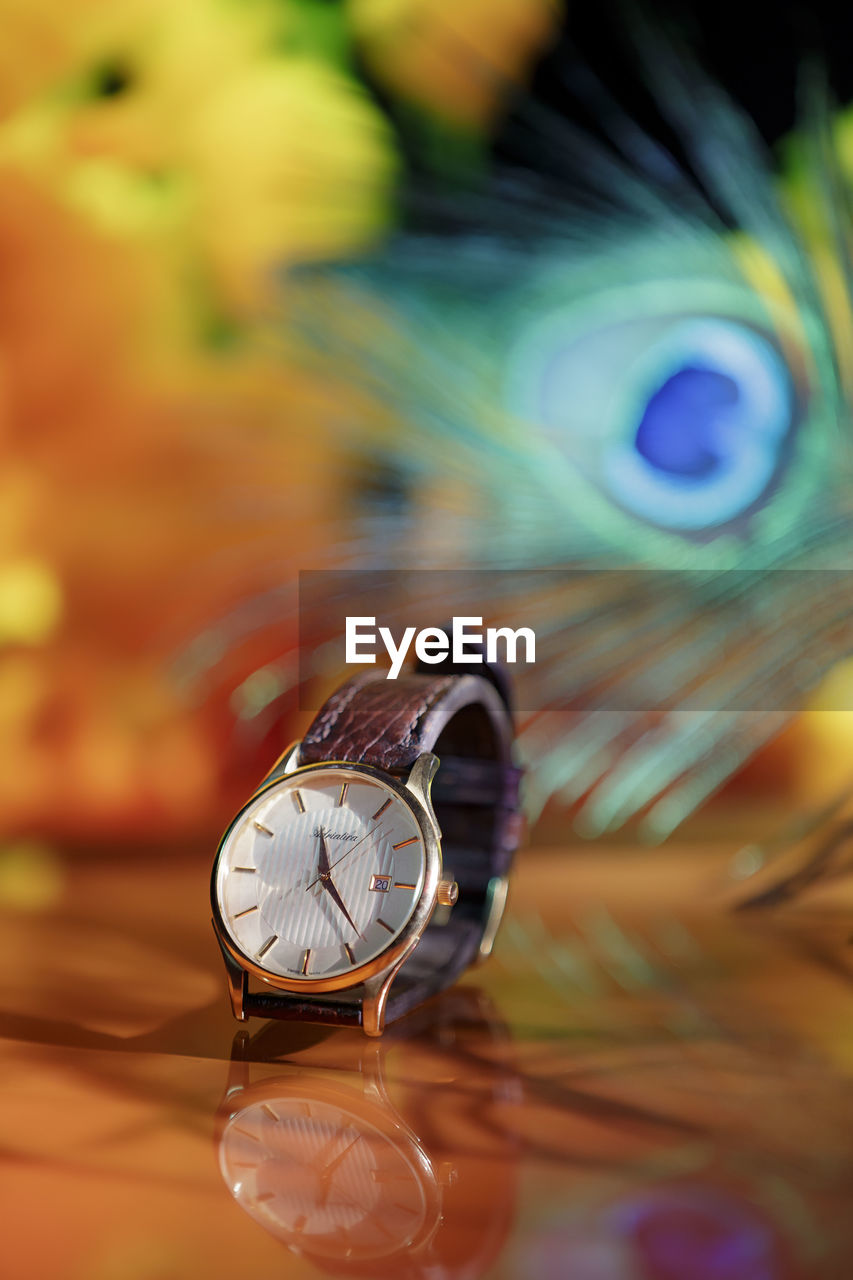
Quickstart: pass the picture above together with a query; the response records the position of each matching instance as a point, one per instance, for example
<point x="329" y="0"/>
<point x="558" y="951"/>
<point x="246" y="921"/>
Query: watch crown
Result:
<point x="448" y="892"/>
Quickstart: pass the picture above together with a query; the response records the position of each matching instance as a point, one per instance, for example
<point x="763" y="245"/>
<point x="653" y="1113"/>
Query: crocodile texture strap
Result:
<point x="465" y="720"/>
<point x="389" y="723"/>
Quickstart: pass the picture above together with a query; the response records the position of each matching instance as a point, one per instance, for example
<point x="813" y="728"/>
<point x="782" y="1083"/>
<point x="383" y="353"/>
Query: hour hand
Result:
<point x="323" y="857"/>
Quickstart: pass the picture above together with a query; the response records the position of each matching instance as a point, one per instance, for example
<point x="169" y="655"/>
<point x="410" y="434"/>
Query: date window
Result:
<point x="380" y="884"/>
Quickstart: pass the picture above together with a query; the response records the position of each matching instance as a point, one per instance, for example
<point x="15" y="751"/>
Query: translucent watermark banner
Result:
<point x="588" y="639"/>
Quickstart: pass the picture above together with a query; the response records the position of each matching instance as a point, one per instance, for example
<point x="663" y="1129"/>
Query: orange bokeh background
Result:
<point x="165" y="462"/>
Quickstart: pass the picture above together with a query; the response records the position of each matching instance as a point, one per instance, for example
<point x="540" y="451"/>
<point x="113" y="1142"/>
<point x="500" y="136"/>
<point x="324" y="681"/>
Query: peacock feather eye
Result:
<point x="679" y="415"/>
<point x="706" y="440"/>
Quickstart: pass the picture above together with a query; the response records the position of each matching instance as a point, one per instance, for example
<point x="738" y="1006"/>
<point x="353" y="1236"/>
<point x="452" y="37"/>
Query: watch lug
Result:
<point x="238" y="981"/>
<point x="287" y="762"/>
<point x="419" y="781"/>
<point x="375" y="1001"/>
<point x="237" y="990"/>
<point x="495" y="906"/>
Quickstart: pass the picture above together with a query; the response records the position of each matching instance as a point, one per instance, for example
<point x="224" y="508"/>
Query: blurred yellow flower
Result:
<point x="458" y="60"/>
<point x="191" y="125"/>
<point x="44" y="40"/>
<point x="160" y="163"/>
<point x="290" y="161"/>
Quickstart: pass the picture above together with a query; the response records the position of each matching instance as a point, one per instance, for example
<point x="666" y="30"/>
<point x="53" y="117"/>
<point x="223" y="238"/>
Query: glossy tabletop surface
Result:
<point x="641" y="1084"/>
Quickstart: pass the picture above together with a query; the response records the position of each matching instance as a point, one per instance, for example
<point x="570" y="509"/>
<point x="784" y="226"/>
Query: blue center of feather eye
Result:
<point x="678" y="432"/>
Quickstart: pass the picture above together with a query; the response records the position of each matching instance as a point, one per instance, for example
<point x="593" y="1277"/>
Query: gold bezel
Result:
<point x="414" y="792"/>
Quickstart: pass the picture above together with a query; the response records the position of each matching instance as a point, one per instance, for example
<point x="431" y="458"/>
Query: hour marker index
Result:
<point x="398" y="884"/>
<point x="379" y="920"/>
<point x="305" y="960"/>
<point x="298" y="801"/>
<point x="342" y="797"/>
<point x="403" y="843"/>
<point x="247" y="912"/>
<point x="350" y="956"/>
<point x="379" y="812"/>
<point x="250" y="870"/>
<point x="265" y="948"/>
<point x="259" y="826"/>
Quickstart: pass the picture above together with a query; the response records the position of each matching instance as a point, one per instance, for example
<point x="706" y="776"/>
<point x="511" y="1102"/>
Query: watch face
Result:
<point x="320" y="874"/>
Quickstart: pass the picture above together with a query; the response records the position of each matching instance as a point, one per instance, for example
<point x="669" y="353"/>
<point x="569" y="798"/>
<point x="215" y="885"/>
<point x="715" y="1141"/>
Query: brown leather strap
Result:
<point x="389" y="723"/>
<point x="465" y="720"/>
<point x="341" y="1012"/>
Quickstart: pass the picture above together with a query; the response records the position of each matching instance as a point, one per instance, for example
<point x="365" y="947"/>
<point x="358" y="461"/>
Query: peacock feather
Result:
<point x="630" y="392"/>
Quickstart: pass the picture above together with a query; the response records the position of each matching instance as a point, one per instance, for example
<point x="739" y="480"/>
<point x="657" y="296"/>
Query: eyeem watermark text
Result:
<point x="468" y="641"/>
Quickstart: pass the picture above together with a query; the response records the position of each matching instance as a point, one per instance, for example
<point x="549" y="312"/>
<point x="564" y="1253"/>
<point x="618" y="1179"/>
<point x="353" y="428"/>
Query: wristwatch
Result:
<point x="351" y="886"/>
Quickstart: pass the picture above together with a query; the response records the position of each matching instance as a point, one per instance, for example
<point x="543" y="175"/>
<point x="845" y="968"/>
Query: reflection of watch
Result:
<point x="313" y="1166"/>
<point x="329" y="1171"/>
<point x="326" y="884"/>
<point x="335" y="1159"/>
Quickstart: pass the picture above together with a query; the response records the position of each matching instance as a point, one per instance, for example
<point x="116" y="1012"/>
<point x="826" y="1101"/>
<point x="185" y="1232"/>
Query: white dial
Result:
<point x="320" y="873"/>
